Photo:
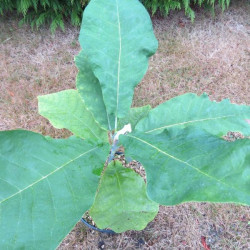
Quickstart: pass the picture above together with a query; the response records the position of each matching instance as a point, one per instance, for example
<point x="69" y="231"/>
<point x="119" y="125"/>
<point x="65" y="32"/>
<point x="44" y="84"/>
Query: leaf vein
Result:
<point x="179" y="160"/>
<point x="119" y="63"/>
<point x="192" y="121"/>
<point x="46" y="176"/>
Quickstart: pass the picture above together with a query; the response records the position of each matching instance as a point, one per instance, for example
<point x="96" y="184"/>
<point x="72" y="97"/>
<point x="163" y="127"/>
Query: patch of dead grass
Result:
<point x="178" y="227"/>
<point x="211" y="55"/>
<point x="32" y="64"/>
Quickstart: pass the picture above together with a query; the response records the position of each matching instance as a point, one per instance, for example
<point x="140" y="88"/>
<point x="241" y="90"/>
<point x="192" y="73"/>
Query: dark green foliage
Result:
<point x="55" y="12"/>
<point x="39" y="12"/>
<point x="164" y="6"/>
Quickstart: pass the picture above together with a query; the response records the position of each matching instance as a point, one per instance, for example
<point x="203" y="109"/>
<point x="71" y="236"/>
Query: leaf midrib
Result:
<point x="186" y="163"/>
<point x="119" y="63"/>
<point x="187" y="122"/>
<point x="46" y="176"/>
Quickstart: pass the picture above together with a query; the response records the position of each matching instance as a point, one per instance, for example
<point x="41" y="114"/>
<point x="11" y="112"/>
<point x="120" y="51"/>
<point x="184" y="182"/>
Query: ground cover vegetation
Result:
<point x="10" y="92"/>
<point x="55" y="12"/>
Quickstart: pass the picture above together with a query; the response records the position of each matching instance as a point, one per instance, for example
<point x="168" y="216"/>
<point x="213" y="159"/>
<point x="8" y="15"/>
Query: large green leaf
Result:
<point x="134" y="116"/>
<point x="90" y="90"/>
<point x="118" y="45"/>
<point x="45" y="187"/>
<point x="121" y="203"/>
<point x="66" y="109"/>
<point x="192" y="165"/>
<point x="191" y="110"/>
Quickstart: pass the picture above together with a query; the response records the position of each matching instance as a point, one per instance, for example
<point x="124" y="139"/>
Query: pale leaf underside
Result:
<point x="66" y="109"/>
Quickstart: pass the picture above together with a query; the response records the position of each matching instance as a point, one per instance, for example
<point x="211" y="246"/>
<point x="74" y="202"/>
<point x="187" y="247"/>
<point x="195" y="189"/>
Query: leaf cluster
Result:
<point x="47" y="184"/>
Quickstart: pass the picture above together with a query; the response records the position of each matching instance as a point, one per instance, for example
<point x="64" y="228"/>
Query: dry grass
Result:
<point x="179" y="227"/>
<point x="32" y="64"/>
<point x="208" y="56"/>
<point x="212" y="56"/>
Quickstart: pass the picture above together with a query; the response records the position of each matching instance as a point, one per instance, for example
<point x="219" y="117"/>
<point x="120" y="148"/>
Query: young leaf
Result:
<point x="45" y="187"/>
<point x="118" y="45"/>
<point x="66" y="109"/>
<point x="134" y="116"/>
<point x="121" y="202"/>
<point x="191" y="110"/>
<point x="90" y="90"/>
<point x="192" y="165"/>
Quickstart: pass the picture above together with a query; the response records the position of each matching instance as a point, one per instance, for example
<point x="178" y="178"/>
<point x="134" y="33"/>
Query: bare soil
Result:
<point x="211" y="55"/>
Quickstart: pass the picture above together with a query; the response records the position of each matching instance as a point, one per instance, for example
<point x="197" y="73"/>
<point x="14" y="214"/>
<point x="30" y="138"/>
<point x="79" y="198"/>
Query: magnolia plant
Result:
<point x="47" y="184"/>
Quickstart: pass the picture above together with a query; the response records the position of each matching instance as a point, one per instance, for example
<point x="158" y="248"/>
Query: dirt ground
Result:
<point x="212" y="55"/>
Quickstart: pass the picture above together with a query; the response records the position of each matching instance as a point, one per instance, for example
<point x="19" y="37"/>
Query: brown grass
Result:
<point x="178" y="227"/>
<point x="211" y="55"/>
<point x="32" y="64"/>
